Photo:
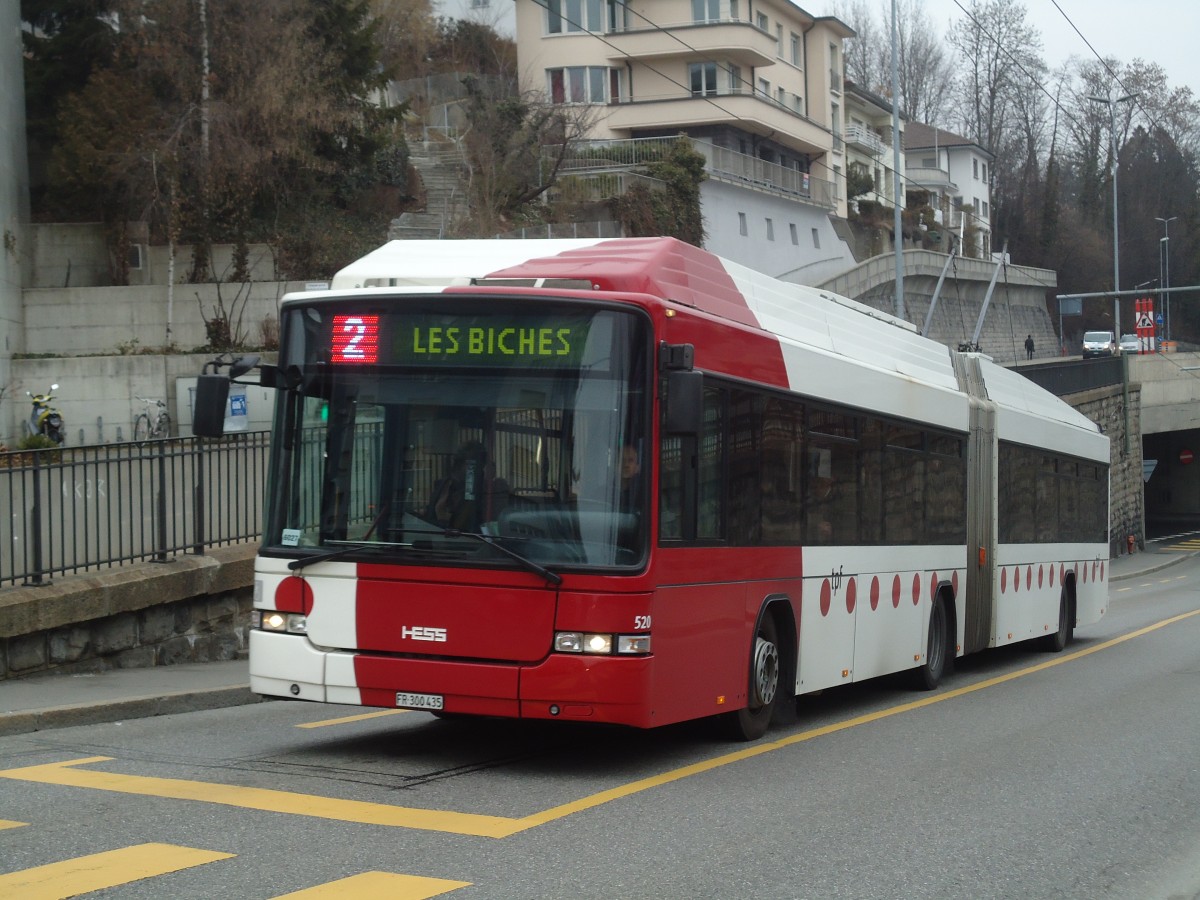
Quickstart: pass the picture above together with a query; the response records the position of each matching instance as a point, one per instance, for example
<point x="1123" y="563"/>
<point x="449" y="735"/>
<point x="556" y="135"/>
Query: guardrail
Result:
<point x="1072" y="376"/>
<point x="77" y="510"/>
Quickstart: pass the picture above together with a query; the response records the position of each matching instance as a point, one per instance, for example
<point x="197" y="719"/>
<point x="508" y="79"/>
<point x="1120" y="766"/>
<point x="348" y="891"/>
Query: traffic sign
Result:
<point x="1185" y="457"/>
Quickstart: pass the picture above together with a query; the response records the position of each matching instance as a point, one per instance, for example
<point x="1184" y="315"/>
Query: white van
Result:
<point x="1099" y="343"/>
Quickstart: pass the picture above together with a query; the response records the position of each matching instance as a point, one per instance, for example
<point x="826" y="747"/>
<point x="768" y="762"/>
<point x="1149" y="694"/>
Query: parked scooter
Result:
<point x="44" y="418"/>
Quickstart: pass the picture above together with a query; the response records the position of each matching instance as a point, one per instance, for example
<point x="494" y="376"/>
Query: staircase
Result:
<point x="442" y="169"/>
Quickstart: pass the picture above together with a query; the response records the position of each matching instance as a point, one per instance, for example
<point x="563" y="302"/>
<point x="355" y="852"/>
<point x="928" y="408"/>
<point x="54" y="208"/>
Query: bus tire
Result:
<point x="751" y="722"/>
<point x="928" y="675"/>
<point x="1057" y="642"/>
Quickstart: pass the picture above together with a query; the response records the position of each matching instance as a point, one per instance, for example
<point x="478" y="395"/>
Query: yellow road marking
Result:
<point x="68" y="773"/>
<point x="5" y="823"/>
<point x="358" y="718"/>
<point x="83" y="874"/>
<point x="370" y="885"/>
<point x="265" y="799"/>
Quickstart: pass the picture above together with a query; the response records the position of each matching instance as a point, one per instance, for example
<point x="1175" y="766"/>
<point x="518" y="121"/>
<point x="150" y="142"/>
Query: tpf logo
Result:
<point x="423" y="633"/>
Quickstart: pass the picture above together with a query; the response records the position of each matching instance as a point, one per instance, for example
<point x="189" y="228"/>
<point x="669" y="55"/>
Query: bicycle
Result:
<point x="152" y="428"/>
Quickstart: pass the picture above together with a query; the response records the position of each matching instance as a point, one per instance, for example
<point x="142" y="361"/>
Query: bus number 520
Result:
<point x="641" y="623"/>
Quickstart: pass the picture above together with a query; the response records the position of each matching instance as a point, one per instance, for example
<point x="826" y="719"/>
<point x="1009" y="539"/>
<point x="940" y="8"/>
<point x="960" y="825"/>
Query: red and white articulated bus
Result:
<point x="627" y="481"/>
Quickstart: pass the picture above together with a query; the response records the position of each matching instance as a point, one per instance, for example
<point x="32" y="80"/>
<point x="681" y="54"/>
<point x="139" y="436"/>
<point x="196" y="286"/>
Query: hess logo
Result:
<point x="423" y="633"/>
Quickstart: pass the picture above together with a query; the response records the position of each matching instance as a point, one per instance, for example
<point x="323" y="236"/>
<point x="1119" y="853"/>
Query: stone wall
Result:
<point x="190" y="609"/>
<point x="1118" y="413"/>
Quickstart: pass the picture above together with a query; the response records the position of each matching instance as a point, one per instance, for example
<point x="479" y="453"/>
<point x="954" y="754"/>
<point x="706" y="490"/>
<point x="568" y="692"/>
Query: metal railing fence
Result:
<point x="85" y="509"/>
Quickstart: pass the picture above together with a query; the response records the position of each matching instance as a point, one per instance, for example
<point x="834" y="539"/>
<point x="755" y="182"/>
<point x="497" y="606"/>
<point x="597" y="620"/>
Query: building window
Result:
<point x="985" y="171"/>
<point x="578" y="84"/>
<point x="795" y="49"/>
<point x="742" y="230"/>
<point x="565" y="16"/>
<point x="702" y="77"/>
<point x="795" y="233"/>
<point x="706" y="11"/>
<point x="929" y="162"/>
<point x="975" y="168"/>
<point x="985" y="209"/>
<point x="779" y="39"/>
<point x="770" y="230"/>
<point x="760" y="19"/>
<point x="781" y="96"/>
<point x="816" y="239"/>
<point x="735" y="79"/>
<point x="618" y="15"/>
<point x="764" y="88"/>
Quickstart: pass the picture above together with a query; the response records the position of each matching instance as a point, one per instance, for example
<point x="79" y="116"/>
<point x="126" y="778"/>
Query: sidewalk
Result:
<point x="41" y="702"/>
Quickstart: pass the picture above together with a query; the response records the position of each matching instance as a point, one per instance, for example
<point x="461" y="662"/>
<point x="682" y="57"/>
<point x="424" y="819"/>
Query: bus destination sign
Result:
<point x="438" y="339"/>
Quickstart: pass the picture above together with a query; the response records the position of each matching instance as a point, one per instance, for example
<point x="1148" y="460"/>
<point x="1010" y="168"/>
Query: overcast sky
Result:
<point x="1162" y="31"/>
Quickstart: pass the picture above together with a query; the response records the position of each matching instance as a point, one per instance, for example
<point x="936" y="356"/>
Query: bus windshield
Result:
<point x="461" y="431"/>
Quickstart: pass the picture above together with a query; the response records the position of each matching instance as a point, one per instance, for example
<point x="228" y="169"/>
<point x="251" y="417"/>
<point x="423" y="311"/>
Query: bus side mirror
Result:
<point x="208" y="413"/>
<point x="685" y="402"/>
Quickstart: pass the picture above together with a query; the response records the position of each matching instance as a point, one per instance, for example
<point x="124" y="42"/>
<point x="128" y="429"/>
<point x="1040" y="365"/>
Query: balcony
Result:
<point x="753" y="112"/>
<point x="740" y="43"/>
<point x="864" y="139"/>
<point x="598" y="161"/>
<point x="930" y="179"/>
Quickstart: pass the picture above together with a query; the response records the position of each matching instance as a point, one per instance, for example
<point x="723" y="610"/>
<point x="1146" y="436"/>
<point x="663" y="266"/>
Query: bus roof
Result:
<point x="846" y="336"/>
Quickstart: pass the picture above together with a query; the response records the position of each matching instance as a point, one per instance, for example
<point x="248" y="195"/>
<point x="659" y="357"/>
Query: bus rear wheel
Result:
<point x="928" y="675"/>
<point x="751" y="723"/>
<point x="1057" y="642"/>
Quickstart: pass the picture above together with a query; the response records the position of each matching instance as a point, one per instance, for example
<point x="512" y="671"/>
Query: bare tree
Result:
<point x="861" y="53"/>
<point x="923" y="70"/>
<point x="516" y="144"/>
<point x="999" y="54"/>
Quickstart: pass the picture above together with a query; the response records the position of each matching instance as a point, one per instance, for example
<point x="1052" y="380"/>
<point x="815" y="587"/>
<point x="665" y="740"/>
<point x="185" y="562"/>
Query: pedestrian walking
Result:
<point x="1029" y="346"/>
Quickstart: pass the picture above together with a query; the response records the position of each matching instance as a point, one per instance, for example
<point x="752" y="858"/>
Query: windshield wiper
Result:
<point x="552" y="577"/>
<point x="342" y="549"/>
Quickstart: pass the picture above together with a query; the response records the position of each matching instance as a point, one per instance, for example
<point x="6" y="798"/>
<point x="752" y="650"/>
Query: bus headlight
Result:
<point x="270" y="620"/>
<point x="601" y="644"/>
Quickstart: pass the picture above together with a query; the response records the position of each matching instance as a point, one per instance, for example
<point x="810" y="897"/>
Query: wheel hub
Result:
<point x="766" y="672"/>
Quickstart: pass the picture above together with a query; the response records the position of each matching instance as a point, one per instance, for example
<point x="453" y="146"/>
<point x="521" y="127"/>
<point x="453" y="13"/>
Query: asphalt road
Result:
<point x="1025" y="775"/>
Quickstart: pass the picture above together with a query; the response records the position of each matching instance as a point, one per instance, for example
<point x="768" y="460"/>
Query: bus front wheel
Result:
<point x="750" y="723"/>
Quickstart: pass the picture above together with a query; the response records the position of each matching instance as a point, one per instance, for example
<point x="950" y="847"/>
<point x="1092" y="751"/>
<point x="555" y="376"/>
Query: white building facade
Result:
<point x="869" y="146"/>
<point x="956" y="173"/>
<point x="758" y="87"/>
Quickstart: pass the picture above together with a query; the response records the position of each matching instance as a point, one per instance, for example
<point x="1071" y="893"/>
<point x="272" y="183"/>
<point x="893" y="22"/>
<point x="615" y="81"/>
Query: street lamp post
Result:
<point x="1112" y="136"/>
<point x="1164" y="269"/>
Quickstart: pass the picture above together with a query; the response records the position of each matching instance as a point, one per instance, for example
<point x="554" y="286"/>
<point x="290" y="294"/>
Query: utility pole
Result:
<point x="1112" y="136"/>
<point x="896" y="174"/>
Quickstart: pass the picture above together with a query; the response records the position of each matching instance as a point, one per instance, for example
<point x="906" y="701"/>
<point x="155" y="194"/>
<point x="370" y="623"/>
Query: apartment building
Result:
<point x="869" y="147"/>
<point x="955" y="171"/>
<point x="757" y="85"/>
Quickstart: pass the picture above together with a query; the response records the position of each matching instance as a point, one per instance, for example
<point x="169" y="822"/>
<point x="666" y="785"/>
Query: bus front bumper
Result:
<point x="578" y="687"/>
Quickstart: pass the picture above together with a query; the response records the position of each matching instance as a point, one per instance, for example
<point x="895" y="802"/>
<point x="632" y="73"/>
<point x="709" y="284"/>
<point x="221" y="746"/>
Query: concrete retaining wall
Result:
<point x="190" y="609"/>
